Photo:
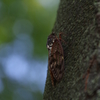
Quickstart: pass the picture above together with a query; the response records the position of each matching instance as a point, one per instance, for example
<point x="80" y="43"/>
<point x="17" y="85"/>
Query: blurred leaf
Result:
<point x="4" y="36"/>
<point x="21" y="20"/>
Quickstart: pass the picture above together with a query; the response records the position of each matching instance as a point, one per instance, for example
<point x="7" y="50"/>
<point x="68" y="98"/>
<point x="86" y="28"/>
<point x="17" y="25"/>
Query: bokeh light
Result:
<point x="24" y="28"/>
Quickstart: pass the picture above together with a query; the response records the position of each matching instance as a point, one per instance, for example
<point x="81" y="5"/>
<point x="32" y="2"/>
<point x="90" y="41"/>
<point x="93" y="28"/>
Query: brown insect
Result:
<point x="56" y="57"/>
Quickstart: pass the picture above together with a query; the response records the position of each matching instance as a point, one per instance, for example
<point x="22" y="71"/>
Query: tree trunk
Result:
<point x="80" y="21"/>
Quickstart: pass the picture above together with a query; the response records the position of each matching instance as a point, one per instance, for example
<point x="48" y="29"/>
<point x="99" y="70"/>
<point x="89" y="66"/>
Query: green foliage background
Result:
<point x="39" y="21"/>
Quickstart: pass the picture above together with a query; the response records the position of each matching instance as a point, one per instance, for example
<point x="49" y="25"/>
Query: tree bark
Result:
<point x="80" y="21"/>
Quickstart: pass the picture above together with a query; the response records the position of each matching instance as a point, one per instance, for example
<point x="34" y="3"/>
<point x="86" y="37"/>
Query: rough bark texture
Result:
<point x="80" y="21"/>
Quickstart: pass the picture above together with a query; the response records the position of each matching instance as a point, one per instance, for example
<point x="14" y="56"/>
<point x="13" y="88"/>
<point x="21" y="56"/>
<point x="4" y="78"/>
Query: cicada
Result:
<point x="55" y="57"/>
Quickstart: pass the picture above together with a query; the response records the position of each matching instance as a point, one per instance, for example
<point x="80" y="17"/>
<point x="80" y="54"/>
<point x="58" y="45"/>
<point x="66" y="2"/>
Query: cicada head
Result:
<point x="50" y="41"/>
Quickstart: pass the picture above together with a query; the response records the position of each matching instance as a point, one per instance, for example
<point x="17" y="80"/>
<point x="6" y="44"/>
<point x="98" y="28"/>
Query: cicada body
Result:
<point x="55" y="58"/>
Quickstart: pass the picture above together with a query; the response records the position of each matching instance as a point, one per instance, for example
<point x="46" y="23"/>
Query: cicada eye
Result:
<point x="49" y="46"/>
<point x="49" y="42"/>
